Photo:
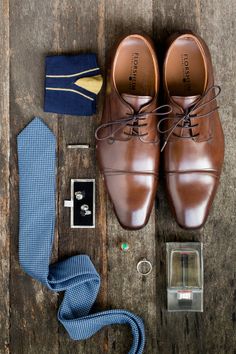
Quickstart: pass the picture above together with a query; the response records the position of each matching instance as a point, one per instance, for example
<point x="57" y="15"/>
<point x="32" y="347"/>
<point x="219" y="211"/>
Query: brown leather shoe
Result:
<point x="194" y="142"/>
<point x="127" y="139"/>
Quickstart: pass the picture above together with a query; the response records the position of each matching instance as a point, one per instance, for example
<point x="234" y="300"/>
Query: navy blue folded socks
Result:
<point x="72" y="83"/>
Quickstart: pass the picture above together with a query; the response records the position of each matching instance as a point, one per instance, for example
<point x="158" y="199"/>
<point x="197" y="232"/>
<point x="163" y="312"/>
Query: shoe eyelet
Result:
<point x="110" y="140"/>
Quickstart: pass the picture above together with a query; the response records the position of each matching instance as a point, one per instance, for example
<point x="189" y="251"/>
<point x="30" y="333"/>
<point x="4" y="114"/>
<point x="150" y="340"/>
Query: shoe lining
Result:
<point x="185" y="72"/>
<point x="134" y="71"/>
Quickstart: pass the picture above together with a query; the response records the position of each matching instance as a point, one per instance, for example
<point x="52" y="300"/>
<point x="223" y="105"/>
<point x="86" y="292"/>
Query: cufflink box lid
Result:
<point x="82" y="214"/>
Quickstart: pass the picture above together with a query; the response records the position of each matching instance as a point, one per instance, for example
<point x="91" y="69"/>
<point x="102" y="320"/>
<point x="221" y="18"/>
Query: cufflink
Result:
<point x="85" y="210"/>
<point x="82" y="203"/>
<point x="79" y="195"/>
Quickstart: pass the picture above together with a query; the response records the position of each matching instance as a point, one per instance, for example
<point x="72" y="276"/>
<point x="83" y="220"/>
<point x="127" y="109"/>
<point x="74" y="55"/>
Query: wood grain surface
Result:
<point x="30" y="30"/>
<point x="33" y="28"/>
<point x="4" y="179"/>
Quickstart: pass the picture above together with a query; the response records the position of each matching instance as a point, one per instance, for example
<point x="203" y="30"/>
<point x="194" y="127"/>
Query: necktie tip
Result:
<point x="35" y="129"/>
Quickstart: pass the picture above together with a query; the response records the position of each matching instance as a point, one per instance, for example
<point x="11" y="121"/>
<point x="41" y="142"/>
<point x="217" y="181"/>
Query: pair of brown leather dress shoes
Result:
<point x="129" y="138"/>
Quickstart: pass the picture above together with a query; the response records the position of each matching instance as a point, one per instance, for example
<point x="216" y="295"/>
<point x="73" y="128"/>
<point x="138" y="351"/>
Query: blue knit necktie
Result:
<point x="76" y="276"/>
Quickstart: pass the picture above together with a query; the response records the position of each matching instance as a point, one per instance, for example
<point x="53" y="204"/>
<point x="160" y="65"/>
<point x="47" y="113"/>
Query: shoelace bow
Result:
<point x="186" y="116"/>
<point x="133" y="121"/>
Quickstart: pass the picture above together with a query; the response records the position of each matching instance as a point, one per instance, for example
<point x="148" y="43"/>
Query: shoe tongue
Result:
<point x="136" y="102"/>
<point x="185" y="101"/>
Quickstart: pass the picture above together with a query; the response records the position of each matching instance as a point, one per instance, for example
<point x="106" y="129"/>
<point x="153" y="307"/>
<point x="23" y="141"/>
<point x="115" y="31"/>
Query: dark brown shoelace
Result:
<point x="184" y="119"/>
<point x="133" y="121"/>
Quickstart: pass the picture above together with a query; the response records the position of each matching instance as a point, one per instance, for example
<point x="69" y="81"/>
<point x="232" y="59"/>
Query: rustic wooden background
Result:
<point x="31" y="29"/>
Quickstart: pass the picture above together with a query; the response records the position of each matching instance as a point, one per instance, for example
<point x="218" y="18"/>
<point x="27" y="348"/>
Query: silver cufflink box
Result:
<point x="82" y="203"/>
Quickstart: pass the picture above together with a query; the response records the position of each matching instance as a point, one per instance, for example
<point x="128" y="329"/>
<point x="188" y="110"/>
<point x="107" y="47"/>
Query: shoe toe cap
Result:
<point x="132" y="197"/>
<point x="191" y="196"/>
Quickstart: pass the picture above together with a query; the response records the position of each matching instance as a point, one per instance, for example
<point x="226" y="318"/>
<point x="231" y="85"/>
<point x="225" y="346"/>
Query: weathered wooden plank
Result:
<point x="80" y="30"/>
<point x="4" y="177"/>
<point x="65" y="26"/>
<point x="212" y="331"/>
<point x="126" y="288"/>
<point x="33" y="34"/>
<point x="218" y="29"/>
<point x="177" y="333"/>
